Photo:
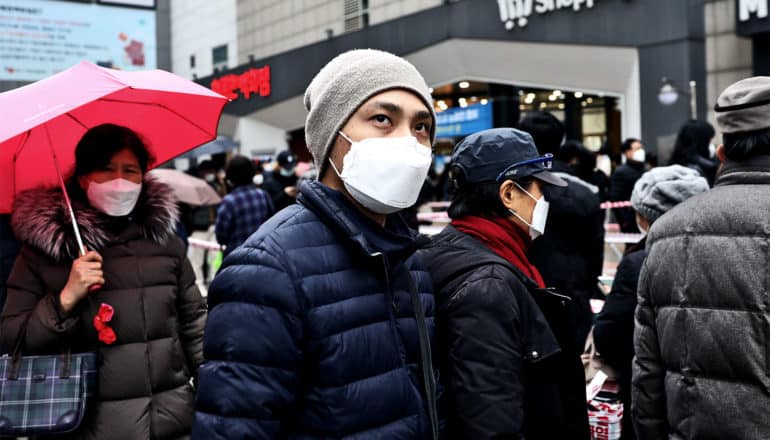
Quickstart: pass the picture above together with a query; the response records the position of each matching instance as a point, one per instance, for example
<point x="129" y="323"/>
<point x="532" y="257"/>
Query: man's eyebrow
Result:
<point x="422" y="114"/>
<point x="387" y="106"/>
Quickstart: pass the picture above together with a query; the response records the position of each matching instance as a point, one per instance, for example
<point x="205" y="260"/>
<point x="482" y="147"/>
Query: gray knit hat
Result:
<point x="744" y="106"/>
<point x="344" y="84"/>
<point x="660" y="189"/>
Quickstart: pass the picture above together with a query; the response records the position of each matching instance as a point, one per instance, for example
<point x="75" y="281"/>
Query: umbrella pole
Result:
<point x="75" y="227"/>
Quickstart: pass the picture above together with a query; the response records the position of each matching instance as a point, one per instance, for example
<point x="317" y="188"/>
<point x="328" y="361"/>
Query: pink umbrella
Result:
<point x="42" y="122"/>
<point x="187" y="189"/>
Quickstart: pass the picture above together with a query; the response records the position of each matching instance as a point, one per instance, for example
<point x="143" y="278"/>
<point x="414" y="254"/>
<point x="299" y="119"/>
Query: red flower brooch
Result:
<point x="106" y="333"/>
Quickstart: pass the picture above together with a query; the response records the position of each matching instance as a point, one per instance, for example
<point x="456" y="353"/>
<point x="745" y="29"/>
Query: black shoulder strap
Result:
<point x="426" y="359"/>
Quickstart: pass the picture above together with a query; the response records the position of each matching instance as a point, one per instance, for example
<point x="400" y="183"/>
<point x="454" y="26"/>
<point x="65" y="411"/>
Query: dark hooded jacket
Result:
<point x="144" y="377"/>
<point x="570" y="254"/>
<point x="505" y="348"/>
<point x="621" y="186"/>
<point x="701" y="339"/>
<point x="312" y="333"/>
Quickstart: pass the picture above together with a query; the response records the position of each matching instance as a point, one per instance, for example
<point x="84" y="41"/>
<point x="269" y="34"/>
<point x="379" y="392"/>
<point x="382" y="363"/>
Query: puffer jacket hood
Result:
<point x="41" y="219"/>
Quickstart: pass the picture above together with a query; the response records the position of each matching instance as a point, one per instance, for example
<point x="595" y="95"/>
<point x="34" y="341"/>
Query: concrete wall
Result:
<point x="198" y="26"/>
<point x="728" y="57"/>
<point x="268" y="27"/>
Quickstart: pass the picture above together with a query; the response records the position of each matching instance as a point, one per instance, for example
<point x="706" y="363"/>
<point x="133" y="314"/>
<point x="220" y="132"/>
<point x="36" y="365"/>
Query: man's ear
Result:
<point x="721" y="153"/>
<point x="507" y="193"/>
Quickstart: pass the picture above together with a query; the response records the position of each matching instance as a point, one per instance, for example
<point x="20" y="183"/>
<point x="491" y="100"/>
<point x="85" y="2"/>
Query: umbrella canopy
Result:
<point x="187" y="189"/>
<point x="170" y="113"/>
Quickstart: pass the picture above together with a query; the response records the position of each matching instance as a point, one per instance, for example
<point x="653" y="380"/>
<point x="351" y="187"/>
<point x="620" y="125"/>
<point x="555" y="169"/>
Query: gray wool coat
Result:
<point x="702" y="336"/>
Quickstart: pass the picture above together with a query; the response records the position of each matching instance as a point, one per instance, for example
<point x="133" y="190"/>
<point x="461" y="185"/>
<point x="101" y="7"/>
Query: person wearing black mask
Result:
<point x="281" y="184"/>
<point x="570" y="254"/>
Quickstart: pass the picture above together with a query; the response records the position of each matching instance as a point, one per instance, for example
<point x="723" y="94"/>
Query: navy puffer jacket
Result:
<point x="311" y="332"/>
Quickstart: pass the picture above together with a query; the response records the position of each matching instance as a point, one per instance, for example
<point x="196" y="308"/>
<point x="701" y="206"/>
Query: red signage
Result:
<point x="252" y="81"/>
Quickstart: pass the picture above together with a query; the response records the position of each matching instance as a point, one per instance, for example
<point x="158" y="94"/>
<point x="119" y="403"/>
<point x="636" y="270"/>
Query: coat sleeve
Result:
<point x="191" y="310"/>
<point x="222" y="224"/>
<point x="648" y="398"/>
<point x="614" y="328"/>
<point x="29" y="300"/>
<point x="251" y="347"/>
<point x="485" y="361"/>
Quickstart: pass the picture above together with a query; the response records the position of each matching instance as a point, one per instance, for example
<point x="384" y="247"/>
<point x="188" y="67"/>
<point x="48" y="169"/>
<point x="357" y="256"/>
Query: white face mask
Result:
<point x="116" y="197"/>
<point x="258" y="179"/>
<point x="539" y="215"/>
<point x="639" y="155"/>
<point x="604" y="164"/>
<point x="385" y="175"/>
<point x="712" y="151"/>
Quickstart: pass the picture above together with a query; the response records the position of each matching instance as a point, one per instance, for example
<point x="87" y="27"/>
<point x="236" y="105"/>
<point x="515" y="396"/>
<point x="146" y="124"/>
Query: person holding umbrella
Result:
<point x="131" y="297"/>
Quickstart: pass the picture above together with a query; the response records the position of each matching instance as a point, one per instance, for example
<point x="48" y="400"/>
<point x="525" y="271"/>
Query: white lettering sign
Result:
<point x="748" y="7"/>
<point x="517" y="12"/>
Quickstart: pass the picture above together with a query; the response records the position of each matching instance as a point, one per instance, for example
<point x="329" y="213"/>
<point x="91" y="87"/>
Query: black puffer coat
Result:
<point x="570" y="254"/>
<point x="504" y="347"/>
<point x="702" y="337"/>
<point x="144" y="376"/>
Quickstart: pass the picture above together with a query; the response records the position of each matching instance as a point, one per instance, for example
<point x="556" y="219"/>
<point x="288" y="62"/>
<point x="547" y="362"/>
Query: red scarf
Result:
<point x="503" y="238"/>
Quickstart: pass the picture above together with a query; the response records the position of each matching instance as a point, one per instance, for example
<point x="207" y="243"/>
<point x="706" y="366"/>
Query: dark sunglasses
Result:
<point x="546" y="160"/>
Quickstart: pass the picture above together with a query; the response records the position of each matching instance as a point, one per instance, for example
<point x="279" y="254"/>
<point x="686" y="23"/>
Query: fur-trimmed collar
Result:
<point x="40" y="219"/>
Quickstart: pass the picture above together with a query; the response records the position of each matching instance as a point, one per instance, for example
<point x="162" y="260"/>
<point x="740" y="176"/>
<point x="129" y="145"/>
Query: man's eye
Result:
<point x="381" y="119"/>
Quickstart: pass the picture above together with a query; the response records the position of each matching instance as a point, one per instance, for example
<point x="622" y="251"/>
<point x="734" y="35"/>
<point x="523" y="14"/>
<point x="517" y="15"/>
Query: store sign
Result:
<point x="251" y="82"/>
<point x="40" y="38"/>
<point x="463" y="121"/>
<point x="752" y="17"/>
<point x="748" y="7"/>
<point x="515" y="13"/>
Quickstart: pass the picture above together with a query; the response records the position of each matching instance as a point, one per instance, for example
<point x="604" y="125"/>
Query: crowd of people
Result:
<point x="330" y="317"/>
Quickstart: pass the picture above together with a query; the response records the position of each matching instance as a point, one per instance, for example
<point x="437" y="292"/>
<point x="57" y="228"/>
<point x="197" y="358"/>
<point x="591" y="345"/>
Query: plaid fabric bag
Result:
<point x="45" y="394"/>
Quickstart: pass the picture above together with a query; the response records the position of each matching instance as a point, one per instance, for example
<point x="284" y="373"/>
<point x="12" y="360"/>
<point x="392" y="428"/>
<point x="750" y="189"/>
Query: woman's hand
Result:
<point x="86" y="272"/>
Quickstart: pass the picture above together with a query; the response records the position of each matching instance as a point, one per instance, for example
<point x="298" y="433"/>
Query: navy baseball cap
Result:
<point x="286" y="160"/>
<point x="499" y="154"/>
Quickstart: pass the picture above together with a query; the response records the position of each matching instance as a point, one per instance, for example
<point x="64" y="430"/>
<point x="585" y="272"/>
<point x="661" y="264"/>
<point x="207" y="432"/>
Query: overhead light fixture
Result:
<point x="561" y="106"/>
<point x="463" y="102"/>
<point x="584" y="104"/>
<point x="474" y="98"/>
<point x="484" y="101"/>
<point x="590" y="100"/>
<point x="531" y="96"/>
<point x="552" y="98"/>
<point x="557" y="92"/>
<point x="578" y="95"/>
<point x="543" y="105"/>
<point x="464" y="84"/>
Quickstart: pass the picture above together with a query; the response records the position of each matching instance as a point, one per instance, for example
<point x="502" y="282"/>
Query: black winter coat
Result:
<point x="614" y="328"/>
<point x="570" y="254"/>
<point x="621" y="186"/>
<point x="504" y="347"/>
